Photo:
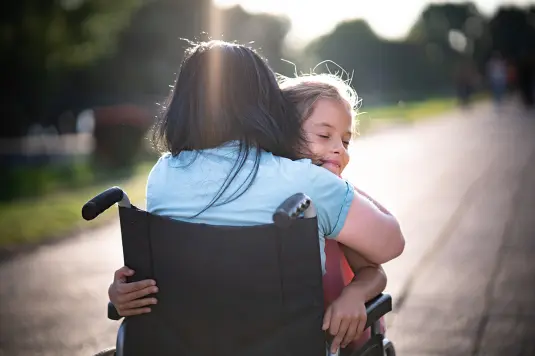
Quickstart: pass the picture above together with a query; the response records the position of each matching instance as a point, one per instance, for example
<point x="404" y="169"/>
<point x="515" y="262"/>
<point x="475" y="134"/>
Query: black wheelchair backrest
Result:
<point x="225" y="290"/>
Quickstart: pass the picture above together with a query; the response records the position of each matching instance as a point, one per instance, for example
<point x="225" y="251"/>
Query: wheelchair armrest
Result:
<point x="378" y="307"/>
<point x="375" y="309"/>
<point x="112" y="312"/>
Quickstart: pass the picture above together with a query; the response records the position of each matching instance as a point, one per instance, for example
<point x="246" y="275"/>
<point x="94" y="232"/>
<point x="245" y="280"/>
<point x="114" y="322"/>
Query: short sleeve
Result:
<point x="332" y="197"/>
<point x="154" y="183"/>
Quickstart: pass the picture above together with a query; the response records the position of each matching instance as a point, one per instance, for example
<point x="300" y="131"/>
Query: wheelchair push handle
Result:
<point x="103" y="201"/>
<point x="376" y="308"/>
<point x="292" y="208"/>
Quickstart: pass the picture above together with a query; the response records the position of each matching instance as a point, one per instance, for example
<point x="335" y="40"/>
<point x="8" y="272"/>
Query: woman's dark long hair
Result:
<point x="226" y="92"/>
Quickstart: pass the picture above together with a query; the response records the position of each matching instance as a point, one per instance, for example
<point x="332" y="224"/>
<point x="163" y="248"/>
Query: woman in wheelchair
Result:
<point x="236" y="146"/>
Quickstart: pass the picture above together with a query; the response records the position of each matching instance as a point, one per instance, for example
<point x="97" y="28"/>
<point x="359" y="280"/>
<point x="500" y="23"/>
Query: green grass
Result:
<point x="27" y="221"/>
<point x="372" y="118"/>
<point x="410" y="112"/>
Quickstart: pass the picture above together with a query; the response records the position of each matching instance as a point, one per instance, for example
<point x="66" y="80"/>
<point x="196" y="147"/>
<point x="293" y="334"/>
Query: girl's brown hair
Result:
<point x="303" y="91"/>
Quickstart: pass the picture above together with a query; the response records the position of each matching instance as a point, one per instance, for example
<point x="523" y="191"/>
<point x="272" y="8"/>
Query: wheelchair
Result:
<point x="229" y="290"/>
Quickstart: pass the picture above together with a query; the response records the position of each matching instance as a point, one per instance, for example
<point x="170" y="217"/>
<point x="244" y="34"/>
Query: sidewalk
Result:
<point x="474" y="291"/>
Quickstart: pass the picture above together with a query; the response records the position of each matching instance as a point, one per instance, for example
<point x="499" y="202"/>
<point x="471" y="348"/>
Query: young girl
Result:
<point x="327" y="106"/>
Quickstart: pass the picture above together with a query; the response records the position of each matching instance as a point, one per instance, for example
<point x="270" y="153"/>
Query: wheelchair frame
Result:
<point x="294" y="207"/>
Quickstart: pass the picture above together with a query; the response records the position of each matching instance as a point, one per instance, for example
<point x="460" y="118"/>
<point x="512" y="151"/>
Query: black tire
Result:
<point x="107" y="352"/>
<point x="389" y="348"/>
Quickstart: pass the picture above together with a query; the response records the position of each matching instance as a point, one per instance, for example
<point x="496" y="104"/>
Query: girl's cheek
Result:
<point x="346" y="161"/>
<point x="315" y="149"/>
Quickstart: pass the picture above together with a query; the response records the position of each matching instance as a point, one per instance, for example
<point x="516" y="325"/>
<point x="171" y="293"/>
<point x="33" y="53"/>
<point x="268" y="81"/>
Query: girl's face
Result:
<point x="328" y="131"/>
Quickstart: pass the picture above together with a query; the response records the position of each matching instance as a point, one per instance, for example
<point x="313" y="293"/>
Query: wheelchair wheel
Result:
<point x="388" y="346"/>
<point x="108" y="352"/>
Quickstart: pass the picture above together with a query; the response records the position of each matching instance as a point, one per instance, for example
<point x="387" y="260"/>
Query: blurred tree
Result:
<point x="264" y="32"/>
<point x="458" y="30"/>
<point x="61" y="55"/>
<point x="151" y="49"/>
<point x="41" y="40"/>
<point x="353" y="46"/>
<point x="94" y="62"/>
<point x="382" y="71"/>
<point x="513" y="31"/>
<point x="437" y="20"/>
<point x="148" y="56"/>
<point x="149" y="53"/>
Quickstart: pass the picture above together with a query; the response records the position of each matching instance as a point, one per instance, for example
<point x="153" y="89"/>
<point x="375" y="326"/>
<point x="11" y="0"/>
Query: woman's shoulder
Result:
<point x="284" y="162"/>
<point x="164" y="175"/>
<point x="163" y="160"/>
<point x="161" y="166"/>
<point x="306" y="176"/>
<point x="167" y="160"/>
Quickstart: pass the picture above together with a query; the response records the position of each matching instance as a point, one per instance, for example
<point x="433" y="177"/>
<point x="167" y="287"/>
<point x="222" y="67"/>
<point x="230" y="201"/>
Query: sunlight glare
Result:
<point x="389" y="19"/>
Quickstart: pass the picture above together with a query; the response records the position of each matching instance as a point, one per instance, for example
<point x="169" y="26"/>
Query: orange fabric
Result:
<point x="338" y="275"/>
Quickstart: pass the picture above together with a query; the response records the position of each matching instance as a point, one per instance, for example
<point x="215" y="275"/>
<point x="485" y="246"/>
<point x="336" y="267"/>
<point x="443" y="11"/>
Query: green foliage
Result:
<point x="444" y="38"/>
<point x="382" y="72"/>
<point x="27" y="221"/>
<point x="65" y="34"/>
<point x="35" y="181"/>
<point x="43" y="41"/>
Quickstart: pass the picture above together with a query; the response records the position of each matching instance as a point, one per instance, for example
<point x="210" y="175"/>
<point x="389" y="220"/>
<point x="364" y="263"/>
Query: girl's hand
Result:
<point x="346" y="317"/>
<point x="126" y="296"/>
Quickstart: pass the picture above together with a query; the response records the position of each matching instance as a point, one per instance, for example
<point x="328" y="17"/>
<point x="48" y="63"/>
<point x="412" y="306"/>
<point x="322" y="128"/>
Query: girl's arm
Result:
<point x="370" y="279"/>
<point x="346" y="317"/>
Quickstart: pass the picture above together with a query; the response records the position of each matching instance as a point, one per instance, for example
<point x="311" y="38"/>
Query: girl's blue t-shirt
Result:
<point x="181" y="186"/>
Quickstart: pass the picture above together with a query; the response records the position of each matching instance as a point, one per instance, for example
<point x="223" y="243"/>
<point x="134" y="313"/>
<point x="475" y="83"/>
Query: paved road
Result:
<point x="462" y="187"/>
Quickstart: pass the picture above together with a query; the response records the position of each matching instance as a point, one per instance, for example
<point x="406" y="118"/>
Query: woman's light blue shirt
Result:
<point x="181" y="186"/>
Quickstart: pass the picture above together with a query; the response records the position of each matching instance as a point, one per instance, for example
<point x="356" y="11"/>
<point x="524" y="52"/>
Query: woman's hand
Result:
<point x="126" y="296"/>
<point x="346" y="317"/>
